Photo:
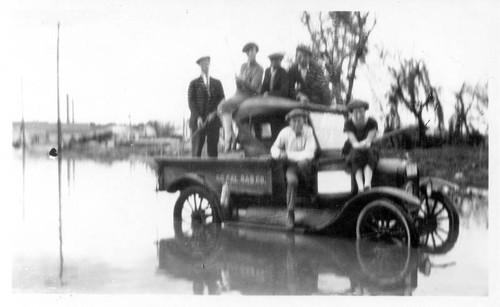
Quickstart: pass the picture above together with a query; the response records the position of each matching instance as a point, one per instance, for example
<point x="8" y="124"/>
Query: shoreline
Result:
<point x="466" y="166"/>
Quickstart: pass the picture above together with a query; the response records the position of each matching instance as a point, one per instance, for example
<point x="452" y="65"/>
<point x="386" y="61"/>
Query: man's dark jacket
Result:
<point x="280" y="86"/>
<point x="315" y="86"/>
<point x="201" y="103"/>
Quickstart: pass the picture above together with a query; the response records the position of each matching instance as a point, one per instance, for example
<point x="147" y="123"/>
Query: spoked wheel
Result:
<point x="383" y="221"/>
<point x="196" y="206"/>
<point x="438" y="223"/>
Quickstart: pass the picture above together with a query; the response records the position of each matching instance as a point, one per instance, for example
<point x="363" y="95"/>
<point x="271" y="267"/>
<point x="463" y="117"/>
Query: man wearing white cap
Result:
<point x="204" y="95"/>
<point x="295" y="145"/>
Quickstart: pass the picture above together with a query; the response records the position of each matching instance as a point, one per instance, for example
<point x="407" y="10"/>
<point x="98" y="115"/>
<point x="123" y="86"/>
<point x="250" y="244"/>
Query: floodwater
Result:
<point x="111" y="232"/>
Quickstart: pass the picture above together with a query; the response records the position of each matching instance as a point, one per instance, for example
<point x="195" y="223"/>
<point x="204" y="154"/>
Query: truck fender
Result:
<point x="397" y="195"/>
<point x="438" y="184"/>
<point x="350" y="211"/>
<point x="193" y="179"/>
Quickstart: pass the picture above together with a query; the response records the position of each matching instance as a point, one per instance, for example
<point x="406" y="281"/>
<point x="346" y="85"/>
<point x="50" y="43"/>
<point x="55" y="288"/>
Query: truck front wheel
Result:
<point x="383" y="221"/>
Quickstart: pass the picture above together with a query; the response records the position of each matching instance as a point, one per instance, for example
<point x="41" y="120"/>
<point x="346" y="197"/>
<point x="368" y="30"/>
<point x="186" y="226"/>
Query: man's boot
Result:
<point x="291" y="193"/>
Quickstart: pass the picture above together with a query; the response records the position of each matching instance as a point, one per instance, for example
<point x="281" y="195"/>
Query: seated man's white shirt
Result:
<point x="297" y="147"/>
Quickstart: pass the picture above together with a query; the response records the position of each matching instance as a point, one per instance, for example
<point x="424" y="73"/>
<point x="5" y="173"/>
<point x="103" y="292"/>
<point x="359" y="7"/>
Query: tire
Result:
<point x="197" y="205"/>
<point x="438" y="223"/>
<point x="382" y="221"/>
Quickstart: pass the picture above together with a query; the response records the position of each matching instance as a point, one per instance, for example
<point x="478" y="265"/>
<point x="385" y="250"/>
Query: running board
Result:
<point x="306" y="218"/>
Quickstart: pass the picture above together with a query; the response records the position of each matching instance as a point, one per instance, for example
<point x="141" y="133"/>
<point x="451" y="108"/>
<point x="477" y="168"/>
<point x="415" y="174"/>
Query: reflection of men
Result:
<point x="275" y="78"/>
<point x="296" y="145"/>
<point x="307" y="80"/>
<point x="204" y="95"/>
<point x="248" y="84"/>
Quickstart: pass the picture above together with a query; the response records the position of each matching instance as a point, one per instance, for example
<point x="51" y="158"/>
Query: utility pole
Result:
<point x="130" y="134"/>
<point x="23" y="128"/>
<point x="73" y="111"/>
<point x="23" y="143"/>
<point x="59" y="145"/>
<point x="183" y="128"/>
<point x="59" y="161"/>
<point x="67" y="109"/>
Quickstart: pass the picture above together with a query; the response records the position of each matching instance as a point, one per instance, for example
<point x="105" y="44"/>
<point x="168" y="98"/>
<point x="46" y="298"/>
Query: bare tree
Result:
<point x="340" y="39"/>
<point x="412" y="88"/>
<point x="468" y="98"/>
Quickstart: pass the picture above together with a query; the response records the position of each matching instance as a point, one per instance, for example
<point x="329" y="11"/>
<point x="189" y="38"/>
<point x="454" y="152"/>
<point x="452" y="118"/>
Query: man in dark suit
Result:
<point x="275" y="78"/>
<point x="306" y="79"/>
<point x="204" y="95"/>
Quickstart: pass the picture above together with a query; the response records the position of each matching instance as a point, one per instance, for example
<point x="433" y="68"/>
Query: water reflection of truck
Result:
<point x="401" y="207"/>
<point x="256" y="262"/>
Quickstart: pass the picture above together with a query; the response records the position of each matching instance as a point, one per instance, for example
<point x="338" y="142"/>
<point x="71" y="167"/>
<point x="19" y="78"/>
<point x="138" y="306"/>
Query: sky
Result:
<point x="133" y="60"/>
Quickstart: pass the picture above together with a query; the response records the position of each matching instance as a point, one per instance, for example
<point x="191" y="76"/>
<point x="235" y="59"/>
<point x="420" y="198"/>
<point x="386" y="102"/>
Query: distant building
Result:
<point x="43" y="133"/>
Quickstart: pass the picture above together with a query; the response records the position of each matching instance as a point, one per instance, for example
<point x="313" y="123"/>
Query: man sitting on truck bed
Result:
<point x="295" y="145"/>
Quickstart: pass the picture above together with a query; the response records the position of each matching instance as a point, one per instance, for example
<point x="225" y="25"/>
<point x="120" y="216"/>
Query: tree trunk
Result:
<point x="421" y="132"/>
<point x="351" y="77"/>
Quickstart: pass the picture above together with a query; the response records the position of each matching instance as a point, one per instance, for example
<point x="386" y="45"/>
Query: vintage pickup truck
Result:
<point x="401" y="207"/>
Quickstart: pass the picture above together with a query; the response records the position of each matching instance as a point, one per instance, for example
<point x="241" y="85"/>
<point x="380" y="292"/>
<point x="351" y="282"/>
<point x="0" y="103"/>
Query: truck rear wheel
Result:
<point x="197" y="205"/>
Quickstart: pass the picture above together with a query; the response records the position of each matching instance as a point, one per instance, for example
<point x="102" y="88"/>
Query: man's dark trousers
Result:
<point x="294" y="172"/>
<point x="211" y="134"/>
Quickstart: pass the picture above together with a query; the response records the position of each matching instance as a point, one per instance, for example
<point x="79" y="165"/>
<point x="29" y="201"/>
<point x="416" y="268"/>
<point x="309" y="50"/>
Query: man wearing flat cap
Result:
<point x="248" y="84"/>
<point x="275" y="78"/>
<point x="250" y="78"/>
<point x="307" y="81"/>
<point x="295" y="145"/>
<point x="204" y="95"/>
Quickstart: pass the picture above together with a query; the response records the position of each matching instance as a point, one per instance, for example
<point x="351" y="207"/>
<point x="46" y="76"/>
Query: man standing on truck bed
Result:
<point x="306" y="79"/>
<point x="248" y="84"/>
<point x="204" y="95"/>
<point x="295" y="145"/>
<point x="275" y="78"/>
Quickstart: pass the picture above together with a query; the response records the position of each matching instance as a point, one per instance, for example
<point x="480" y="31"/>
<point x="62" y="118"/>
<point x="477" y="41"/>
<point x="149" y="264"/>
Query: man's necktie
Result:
<point x="273" y="74"/>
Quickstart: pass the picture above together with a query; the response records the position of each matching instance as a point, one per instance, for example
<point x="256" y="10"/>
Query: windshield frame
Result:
<point x="329" y="130"/>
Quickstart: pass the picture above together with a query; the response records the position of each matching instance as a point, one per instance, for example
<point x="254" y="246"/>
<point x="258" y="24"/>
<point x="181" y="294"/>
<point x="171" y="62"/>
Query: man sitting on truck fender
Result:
<point x="295" y="145"/>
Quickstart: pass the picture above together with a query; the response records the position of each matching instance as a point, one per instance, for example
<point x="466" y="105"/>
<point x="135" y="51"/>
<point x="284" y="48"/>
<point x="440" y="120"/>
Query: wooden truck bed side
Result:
<point x="251" y="176"/>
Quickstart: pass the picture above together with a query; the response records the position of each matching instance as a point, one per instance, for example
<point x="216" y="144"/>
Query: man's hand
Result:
<point x="239" y="82"/>
<point x="365" y="144"/>
<point x="362" y="145"/>
<point x="199" y="122"/>
<point x="302" y="98"/>
<point x="211" y="116"/>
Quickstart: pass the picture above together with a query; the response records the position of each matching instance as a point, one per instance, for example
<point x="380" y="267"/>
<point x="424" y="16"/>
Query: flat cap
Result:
<point x="356" y="103"/>
<point x="276" y="55"/>
<point x="202" y="58"/>
<point x="250" y="45"/>
<point x="304" y="49"/>
<point x="296" y="112"/>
